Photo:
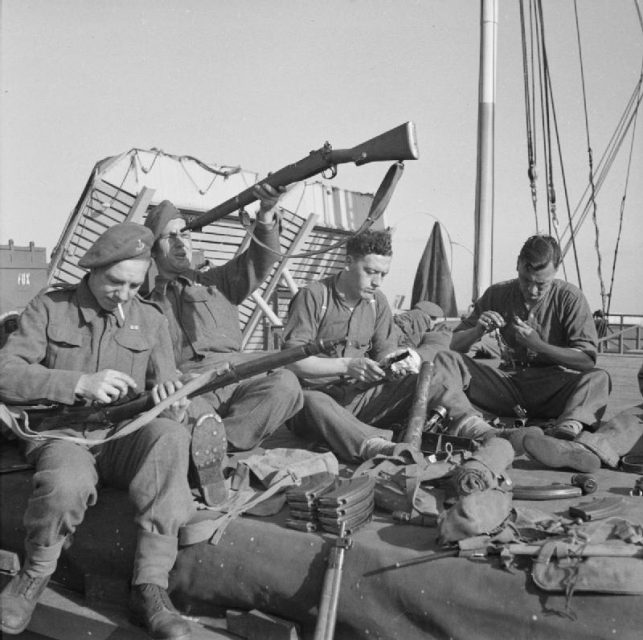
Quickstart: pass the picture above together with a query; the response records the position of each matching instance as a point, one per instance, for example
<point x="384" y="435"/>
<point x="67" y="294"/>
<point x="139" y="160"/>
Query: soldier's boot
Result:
<point x="20" y="596"/>
<point x="152" y="608"/>
<point x="556" y="453"/>
<point x="18" y="601"/>
<point x="150" y="604"/>
<point x="516" y="437"/>
<point x="208" y="457"/>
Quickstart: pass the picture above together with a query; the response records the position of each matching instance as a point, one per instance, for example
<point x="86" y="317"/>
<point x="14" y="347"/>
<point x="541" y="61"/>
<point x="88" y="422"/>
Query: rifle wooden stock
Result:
<point x="398" y="144"/>
<point x="417" y="416"/>
<point x="112" y="414"/>
<point x="327" y="614"/>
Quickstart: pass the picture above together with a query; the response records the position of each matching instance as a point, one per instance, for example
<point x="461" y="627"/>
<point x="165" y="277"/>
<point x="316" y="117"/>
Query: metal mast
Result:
<point x="483" y="242"/>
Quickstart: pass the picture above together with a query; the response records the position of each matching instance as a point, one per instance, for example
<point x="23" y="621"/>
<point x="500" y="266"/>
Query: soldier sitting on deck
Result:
<point x="549" y="341"/>
<point x="201" y="307"/>
<point x="349" y="403"/>
<point x="97" y="342"/>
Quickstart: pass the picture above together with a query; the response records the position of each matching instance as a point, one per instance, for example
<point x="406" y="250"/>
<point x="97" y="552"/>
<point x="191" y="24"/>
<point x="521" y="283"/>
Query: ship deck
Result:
<point x="263" y="565"/>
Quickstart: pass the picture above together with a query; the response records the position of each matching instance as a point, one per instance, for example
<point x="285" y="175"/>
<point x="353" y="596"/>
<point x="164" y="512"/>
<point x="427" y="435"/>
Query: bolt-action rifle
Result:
<point x="398" y="144"/>
<point x="111" y="415"/>
<point x="327" y="614"/>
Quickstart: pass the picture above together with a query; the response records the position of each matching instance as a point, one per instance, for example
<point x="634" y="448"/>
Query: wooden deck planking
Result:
<point x="623" y="370"/>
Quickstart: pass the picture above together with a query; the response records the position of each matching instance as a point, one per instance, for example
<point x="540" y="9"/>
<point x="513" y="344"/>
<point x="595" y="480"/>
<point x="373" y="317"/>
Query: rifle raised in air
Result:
<point x="396" y="145"/>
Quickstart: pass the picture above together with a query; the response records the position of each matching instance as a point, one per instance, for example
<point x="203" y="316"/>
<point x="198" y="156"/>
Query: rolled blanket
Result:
<point x="486" y="469"/>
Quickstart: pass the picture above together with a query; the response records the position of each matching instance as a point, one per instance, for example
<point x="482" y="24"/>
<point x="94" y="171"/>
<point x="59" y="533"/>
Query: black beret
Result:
<point x="160" y="215"/>
<point x="124" y="241"/>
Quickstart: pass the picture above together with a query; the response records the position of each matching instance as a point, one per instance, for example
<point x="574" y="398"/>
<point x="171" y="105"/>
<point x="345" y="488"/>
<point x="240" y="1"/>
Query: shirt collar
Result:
<point x="89" y="307"/>
<point x="161" y="283"/>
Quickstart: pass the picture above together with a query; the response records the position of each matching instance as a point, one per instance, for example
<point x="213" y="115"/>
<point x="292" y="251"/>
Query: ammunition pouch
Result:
<point x="407" y="484"/>
<point x="560" y="566"/>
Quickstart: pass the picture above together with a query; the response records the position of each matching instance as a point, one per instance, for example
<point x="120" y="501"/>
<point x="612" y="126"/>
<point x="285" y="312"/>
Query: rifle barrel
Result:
<point x="395" y="145"/>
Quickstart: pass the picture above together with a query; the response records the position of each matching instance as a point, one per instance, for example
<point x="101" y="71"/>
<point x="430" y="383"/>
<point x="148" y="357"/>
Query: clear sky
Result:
<point x="260" y="83"/>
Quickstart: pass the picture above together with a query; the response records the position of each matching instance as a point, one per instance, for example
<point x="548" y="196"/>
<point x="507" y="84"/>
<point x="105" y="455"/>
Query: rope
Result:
<point x="591" y="169"/>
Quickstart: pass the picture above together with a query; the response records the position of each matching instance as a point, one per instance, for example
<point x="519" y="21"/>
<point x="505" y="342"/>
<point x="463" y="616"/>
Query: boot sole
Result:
<point x="549" y="454"/>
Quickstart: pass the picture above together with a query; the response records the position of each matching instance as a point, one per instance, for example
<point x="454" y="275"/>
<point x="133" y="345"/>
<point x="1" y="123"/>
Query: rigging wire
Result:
<point x="607" y="159"/>
<point x="545" y="99"/>
<point x="565" y="191"/>
<point x="622" y="208"/>
<point x="638" y="13"/>
<point x="591" y="170"/>
<point x="531" y="161"/>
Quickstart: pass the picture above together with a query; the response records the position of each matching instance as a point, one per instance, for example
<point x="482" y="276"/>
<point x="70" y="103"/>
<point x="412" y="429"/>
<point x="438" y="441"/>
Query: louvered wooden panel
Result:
<point x="104" y="206"/>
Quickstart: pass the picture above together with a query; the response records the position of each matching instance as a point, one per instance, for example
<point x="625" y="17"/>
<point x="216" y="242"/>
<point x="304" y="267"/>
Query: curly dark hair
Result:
<point x="538" y="251"/>
<point x="369" y="242"/>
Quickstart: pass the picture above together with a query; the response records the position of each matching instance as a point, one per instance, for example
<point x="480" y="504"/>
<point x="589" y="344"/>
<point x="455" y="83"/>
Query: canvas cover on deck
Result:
<point x="261" y="564"/>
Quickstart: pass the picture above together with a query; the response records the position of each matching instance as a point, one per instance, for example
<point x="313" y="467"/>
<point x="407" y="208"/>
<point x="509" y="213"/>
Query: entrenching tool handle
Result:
<point x="417" y="416"/>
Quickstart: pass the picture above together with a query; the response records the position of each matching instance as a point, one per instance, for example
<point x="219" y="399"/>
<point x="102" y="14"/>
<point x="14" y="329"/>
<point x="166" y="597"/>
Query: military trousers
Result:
<point x="462" y="384"/>
<point x="343" y="418"/>
<point x="620" y="435"/>
<point x="254" y="408"/>
<point x="151" y="464"/>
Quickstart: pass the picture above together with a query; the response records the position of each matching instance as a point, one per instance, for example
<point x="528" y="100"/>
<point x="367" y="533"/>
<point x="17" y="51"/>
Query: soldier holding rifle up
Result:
<point x="201" y="307"/>
<point x="98" y="341"/>
<point x="349" y="402"/>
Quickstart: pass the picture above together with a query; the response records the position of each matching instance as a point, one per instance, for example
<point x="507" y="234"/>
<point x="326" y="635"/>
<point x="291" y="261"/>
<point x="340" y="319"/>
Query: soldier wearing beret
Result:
<point x="98" y="341"/>
<point x="201" y="307"/>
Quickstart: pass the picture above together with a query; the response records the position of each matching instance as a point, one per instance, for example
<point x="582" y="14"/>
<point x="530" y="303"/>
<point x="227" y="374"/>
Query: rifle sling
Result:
<point x="25" y="433"/>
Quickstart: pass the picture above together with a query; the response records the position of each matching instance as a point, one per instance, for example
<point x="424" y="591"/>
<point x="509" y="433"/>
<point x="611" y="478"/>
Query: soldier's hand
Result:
<point x="490" y="320"/>
<point x="176" y="411"/>
<point x="364" y="370"/>
<point x="526" y="334"/>
<point x="268" y="201"/>
<point x="105" y="386"/>
<point x="401" y="368"/>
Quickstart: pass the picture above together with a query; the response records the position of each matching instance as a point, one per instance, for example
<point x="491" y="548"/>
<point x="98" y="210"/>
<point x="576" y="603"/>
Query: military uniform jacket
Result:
<point x="319" y="311"/>
<point x="562" y="318"/>
<point x="64" y="333"/>
<point x="202" y="305"/>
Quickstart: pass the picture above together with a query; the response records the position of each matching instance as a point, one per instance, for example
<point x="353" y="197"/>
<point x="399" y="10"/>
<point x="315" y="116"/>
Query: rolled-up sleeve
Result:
<point x="579" y="325"/>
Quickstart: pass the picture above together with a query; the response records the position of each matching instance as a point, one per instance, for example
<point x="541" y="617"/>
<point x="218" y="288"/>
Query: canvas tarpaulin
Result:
<point x="261" y="564"/>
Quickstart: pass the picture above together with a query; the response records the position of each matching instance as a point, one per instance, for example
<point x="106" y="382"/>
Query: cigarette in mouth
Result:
<point x="120" y="312"/>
